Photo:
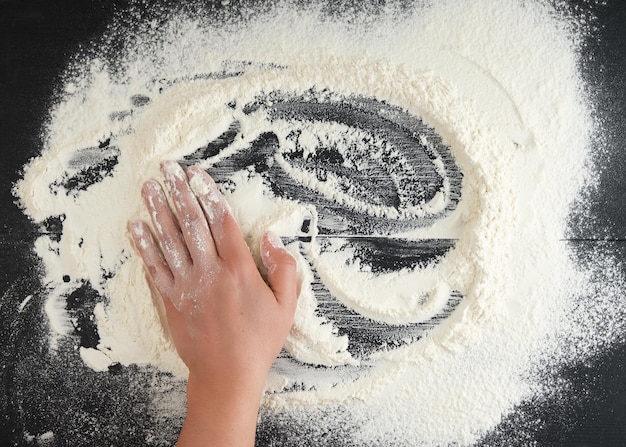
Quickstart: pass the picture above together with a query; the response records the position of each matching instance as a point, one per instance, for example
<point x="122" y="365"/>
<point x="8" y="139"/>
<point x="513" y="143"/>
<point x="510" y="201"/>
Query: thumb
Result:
<point x="281" y="269"/>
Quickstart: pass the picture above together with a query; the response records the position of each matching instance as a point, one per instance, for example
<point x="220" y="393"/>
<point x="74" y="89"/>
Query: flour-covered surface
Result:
<point x="443" y="173"/>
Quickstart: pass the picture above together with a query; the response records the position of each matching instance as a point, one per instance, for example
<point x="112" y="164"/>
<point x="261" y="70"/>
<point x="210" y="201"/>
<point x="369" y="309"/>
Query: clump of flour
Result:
<point x="476" y="72"/>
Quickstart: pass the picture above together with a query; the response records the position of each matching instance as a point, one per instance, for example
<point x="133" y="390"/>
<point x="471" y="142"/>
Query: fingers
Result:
<point x="227" y="237"/>
<point x="281" y="270"/>
<point x="152" y="257"/>
<point x="191" y="219"/>
<point x="204" y="227"/>
<point x="166" y="227"/>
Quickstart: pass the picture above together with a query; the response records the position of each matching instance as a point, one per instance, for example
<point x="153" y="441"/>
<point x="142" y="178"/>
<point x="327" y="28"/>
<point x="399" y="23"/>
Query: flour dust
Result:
<point x="418" y="161"/>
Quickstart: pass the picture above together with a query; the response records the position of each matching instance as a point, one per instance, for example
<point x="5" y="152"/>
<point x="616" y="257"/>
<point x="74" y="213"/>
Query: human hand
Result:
<point x="227" y="323"/>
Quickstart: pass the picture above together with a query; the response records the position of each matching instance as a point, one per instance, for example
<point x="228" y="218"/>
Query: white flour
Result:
<point x="497" y="82"/>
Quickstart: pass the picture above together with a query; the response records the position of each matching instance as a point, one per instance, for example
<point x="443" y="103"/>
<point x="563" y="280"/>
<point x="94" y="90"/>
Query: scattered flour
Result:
<point x="497" y="82"/>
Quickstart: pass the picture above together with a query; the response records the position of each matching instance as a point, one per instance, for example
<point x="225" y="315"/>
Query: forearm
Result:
<point x="220" y="416"/>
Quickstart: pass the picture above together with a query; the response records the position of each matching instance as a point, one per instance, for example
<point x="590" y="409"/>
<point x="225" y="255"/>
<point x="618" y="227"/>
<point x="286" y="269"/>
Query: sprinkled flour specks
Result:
<point x="420" y="166"/>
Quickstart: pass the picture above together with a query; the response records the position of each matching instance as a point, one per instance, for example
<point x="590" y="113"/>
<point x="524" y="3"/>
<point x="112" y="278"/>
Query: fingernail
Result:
<point x="138" y="235"/>
<point x="136" y="228"/>
<point x="152" y="194"/>
<point x="171" y="170"/>
<point x="274" y="240"/>
<point x="149" y="186"/>
<point x="198" y="185"/>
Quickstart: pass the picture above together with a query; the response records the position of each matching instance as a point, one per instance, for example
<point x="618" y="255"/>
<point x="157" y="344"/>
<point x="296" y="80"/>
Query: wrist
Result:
<point x="220" y="413"/>
<point x="202" y="391"/>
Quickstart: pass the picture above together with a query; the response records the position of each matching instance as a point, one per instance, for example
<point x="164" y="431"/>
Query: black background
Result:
<point x="37" y="40"/>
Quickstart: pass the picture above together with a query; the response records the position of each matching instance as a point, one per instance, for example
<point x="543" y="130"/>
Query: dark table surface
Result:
<point x="37" y="38"/>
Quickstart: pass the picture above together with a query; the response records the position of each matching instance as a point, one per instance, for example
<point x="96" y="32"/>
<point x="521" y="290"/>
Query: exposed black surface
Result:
<point x="383" y="255"/>
<point x="368" y="335"/>
<point x="214" y="147"/>
<point x="89" y="166"/>
<point x="42" y="391"/>
<point x="400" y="178"/>
<point x="604" y="66"/>
<point x="80" y="304"/>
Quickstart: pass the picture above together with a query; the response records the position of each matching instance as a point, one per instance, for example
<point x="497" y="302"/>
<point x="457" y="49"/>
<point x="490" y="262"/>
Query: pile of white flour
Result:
<point x="497" y="81"/>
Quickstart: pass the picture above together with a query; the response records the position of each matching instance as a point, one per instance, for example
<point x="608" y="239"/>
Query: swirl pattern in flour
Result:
<point x="364" y="192"/>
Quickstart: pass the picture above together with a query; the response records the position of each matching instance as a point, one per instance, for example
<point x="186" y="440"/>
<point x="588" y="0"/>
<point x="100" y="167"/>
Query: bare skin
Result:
<point x="228" y="324"/>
